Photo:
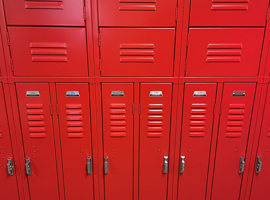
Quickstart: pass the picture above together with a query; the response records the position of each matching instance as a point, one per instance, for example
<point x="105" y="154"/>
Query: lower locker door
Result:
<point x="235" y="117"/>
<point x="74" y="121"/>
<point x="38" y="138"/>
<point x="117" y="100"/>
<point x="198" y="110"/>
<point x="8" y="184"/>
<point x="155" y="100"/>
<point x="261" y="184"/>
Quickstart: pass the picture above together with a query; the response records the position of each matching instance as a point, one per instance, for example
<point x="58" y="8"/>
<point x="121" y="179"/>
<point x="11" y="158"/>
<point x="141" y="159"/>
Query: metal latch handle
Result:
<point x="165" y="165"/>
<point x="10" y="167"/>
<point x="259" y="165"/>
<point x="242" y="165"/>
<point x="28" y="166"/>
<point x="106" y="165"/>
<point x="89" y="165"/>
<point x="182" y="164"/>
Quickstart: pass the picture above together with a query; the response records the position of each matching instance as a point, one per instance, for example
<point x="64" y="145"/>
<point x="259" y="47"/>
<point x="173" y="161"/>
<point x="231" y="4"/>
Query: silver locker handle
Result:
<point x="242" y="165"/>
<point x="89" y="165"/>
<point x="10" y="167"/>
<point x="165" y="165"/>
<point x="28" y="166"/>
<point x="106" y="165"/>
<point x="182" y="164"/>
<point x="258" y="165"/>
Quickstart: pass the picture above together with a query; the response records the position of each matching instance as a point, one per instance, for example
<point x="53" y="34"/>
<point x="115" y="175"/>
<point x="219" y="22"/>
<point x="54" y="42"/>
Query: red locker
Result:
<point x="45" y="12"/>
<point x="160" y="13"/>
<point x="235" y="117"/>
<point x="260" y="187"/>
<point x="44" y="51"/>
<point x="38" y="139"/>
<point x="74" y="120"/>
<point x="224" y="52"/>
<point x="198" y="111"/>
<point x="228" y="12"/>
<point x="117" y="100"/>
<point x="155" y="106"/>
<point x="8" y="183"/>
<point x="137" y="52"/>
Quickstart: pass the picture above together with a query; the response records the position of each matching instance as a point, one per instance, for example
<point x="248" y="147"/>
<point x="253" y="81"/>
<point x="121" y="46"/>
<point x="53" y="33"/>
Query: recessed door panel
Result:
<point x="137" y="52"/>
<point x="198" y="112"/>
<point x="228" y="12"/>
<point x="224" y="52"/>
<point x="8" y="183"/>
<point x="260" y="186"/>
<point x="74" y="120"/>
<point x="43" y="51"/>
<point x="117" y="100"/>
<point x="155" y="113"/>
<point x="237" y="104"/>
<point x="38" y="139"/>
<point x="45" y="12"/>
<point x="159" y="13"/>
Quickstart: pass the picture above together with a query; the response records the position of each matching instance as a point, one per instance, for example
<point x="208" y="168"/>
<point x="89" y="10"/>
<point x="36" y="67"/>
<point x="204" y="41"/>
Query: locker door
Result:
<point x="44" y="12"/>
<point x="260" y="187"/>
<point x="74" y="120"/>
<point x="198" y="111"/>
<point x="117" y="100"/>
<point x="237" y="103"/>
<point x="8" y="184"/>
<point x="38" y="138"/>
<point x="155" y="100"/>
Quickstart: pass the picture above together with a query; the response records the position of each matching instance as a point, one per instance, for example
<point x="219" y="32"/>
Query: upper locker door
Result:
<point x="237" y="104"/>
<point x="160" y="13"/>
<point x="198" y="112"/>
<point x="45" y="12"/>
<point x="74" y="120"/>
<point x="260" y="187"/>
<point x="228" y="12"/>
<point x="155" y="113"/>
<point x="8" y="184"/>
<point x="117" y="100"/>
<point x="38" y="139"/>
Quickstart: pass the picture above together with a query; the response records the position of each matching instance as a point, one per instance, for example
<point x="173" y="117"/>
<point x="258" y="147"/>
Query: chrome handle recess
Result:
<point x="242" y="165"/>
<point x="10" y="167"/>
<point x="28" y="166"/>
<point x="106" y="165"/>
<point x="258" y="165"/>
<point x="165" y="165"/>
<point x="182" y="164"/>
<point x="89" y="165"/>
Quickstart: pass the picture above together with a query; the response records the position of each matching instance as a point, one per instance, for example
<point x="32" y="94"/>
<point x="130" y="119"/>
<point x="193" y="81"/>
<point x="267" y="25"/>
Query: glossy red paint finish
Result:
<point x="40" y="51"/>
<point x="45" y="12"/>
<point x="136" y="52"/>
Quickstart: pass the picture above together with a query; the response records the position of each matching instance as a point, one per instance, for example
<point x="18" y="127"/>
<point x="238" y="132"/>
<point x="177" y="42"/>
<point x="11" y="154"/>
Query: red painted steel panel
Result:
<point x="260" y="187"/>
<point x="43" y="51"/>
<point x="160" y="13"/>
<point x="74" y="120"/>
<point x="198" y="112"/>
<point x="8" y="183"/>
<point x="45" y="12"/>
<point x="224" y="52"/>
<point x="228" y="12"/>
<point x="232" y="139"/>
<point x="155" y="115"/>
<point x="38" y="138"/>
<point x="137" y="52"/>
<point x="117" y="100"/>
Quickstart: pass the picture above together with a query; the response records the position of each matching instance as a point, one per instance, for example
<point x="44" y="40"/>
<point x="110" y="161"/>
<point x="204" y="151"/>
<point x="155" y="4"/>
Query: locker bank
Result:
<point x="134" y="100"/>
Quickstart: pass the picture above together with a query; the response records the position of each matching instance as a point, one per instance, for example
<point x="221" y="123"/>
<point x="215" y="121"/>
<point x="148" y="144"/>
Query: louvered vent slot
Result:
<point x="223" y="53"/>
<point x="230" y="5"/>
<point x="49" y="52"/>
<point x="118" y="120"/>
<point x="155" y="120"/>
<point x="235" y="120"/>
<point x="137" y="53"/>
<point x="198" y="120"/>
<point x="44" y="4"/>
<point x="35" y="118"/>
<point x="74" y="116"/>
<point x="133" y="5"/>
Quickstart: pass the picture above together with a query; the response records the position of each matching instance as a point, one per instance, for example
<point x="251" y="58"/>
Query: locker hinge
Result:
<point x="133" y="109"/>
<point x="139" y="109"/>
<point x="259" y="165"/>
<point x="242" y="165"/>
<point x="51" y="111"/>
<point x="84" y="13"/>
<point x="10" y="167"/>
